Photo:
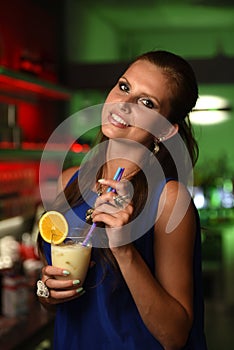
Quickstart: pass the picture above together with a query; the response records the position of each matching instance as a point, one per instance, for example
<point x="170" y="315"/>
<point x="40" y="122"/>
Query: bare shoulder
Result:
<point x="175" y="192"/>
<point x="65" y="177"/>
<point x="175" y="205"/>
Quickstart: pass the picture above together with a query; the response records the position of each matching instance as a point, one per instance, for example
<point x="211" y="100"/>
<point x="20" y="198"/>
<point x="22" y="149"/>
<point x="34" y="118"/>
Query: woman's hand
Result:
<point x="60" y="290"/>
<point x="115" y="209"/>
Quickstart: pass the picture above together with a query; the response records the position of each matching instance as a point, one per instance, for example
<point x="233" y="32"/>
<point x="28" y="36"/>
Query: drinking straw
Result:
<point x="117" y="177"/>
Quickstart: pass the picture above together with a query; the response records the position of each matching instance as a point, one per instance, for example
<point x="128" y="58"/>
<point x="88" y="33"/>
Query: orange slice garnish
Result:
<point x="53" y="223"/>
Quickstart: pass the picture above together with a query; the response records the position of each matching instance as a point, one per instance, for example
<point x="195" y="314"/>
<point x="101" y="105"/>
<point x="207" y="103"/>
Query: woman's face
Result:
<point x="136" y="104"/>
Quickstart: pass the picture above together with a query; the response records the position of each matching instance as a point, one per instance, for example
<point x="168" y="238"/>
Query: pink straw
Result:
<point x="117" y="177"/>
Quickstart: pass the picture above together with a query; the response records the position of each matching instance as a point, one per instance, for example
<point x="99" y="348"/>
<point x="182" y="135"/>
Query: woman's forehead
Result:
<point x="150" y="80"/>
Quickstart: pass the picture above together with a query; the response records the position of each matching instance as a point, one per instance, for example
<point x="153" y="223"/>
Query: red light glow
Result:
<point x="15" y="84"/>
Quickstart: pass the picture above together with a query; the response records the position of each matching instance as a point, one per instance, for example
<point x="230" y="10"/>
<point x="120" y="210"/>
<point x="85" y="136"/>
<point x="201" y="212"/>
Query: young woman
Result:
<point x="143" y="289"/>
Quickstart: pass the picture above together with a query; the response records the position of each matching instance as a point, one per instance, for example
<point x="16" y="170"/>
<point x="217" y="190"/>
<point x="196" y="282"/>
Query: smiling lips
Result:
<point x="116" y="120"/>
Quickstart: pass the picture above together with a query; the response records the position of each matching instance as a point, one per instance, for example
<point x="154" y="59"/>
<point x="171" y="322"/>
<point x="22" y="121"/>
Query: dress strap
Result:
<point x="73" y="178"/>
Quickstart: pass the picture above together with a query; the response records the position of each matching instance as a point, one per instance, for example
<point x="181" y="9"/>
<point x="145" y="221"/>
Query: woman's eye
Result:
<point x="148" y="103"/>
<point x="123" y="86"/>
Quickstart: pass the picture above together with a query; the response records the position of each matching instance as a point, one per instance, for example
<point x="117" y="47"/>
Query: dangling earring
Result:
<point x="157" y="141"/>
<point x="156" y="146"/>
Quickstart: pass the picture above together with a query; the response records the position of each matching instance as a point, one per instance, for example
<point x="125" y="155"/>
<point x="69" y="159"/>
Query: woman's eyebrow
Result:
<point x="123" y="77"/>
<point x="144" y="93"/>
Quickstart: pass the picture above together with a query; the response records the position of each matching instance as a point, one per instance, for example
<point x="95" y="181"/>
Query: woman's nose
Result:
<point x="125" y="106"/>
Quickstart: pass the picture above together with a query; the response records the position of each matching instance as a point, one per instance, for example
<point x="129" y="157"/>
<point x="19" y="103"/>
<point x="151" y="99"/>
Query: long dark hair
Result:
<point x="183" y="95"/>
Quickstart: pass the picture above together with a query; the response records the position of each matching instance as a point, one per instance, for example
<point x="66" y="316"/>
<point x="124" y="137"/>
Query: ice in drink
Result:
<point x="72" y="256"/>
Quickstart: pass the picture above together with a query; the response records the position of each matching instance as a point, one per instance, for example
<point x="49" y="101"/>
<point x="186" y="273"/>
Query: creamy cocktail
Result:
<point x="71" y="255"/>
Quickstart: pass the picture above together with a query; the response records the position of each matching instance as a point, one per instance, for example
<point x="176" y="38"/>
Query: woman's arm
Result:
<point x="60" y="290"/>
<point x="165" y="301"/>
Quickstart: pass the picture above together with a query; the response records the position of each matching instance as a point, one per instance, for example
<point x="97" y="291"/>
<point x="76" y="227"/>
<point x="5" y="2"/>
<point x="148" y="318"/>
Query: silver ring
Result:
<point x="120" y="200"/>
<point x="42" y="290"/>
<point x="49" y="278"/>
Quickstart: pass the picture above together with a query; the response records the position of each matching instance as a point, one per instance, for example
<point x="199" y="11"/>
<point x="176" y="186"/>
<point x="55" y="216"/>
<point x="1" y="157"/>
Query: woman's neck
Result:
<point x="125" y="154"/>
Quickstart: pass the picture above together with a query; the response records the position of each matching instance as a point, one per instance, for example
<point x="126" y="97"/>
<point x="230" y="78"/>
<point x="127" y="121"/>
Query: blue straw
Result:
<point x="117" y="177"/>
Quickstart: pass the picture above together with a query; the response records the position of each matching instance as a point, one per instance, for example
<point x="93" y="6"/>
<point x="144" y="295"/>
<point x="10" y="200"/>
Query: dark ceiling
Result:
<point x="139" y="18"/>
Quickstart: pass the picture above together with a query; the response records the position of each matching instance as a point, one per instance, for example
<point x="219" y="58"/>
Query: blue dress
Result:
<point x="106" y="317"/>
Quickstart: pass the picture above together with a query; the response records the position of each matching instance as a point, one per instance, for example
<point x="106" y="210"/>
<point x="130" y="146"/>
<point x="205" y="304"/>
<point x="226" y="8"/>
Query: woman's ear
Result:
<point x="169" y="133"/>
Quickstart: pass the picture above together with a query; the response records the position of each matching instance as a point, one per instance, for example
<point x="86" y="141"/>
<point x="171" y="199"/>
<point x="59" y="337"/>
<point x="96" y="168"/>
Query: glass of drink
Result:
<point x="73" y="256"/>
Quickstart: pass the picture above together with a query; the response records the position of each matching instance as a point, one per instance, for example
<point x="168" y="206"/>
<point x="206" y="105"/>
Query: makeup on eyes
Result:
<point x="143" y="97"/>
<point x="123" y="82"/>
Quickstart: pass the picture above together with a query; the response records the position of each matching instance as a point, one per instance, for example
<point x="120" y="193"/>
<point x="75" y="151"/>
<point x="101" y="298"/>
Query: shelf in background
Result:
<point x="17" y="83"/>
<point x="27" y="331"/>
<point x="36" y="152"/>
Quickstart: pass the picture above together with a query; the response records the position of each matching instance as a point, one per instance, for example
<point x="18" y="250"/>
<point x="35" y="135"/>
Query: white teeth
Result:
<point x="118" y="119"/>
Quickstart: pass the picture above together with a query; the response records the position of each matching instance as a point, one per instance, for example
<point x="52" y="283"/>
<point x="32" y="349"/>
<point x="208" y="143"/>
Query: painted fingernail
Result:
<point x="66" y="273"/>
<point x="79" y="290"/>
<point x="101" y="180"/>
<point x="76" y="282"/>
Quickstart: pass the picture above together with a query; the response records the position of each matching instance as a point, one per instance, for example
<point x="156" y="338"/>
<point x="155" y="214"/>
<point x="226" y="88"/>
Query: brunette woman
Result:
<point x="144" y="289"/>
